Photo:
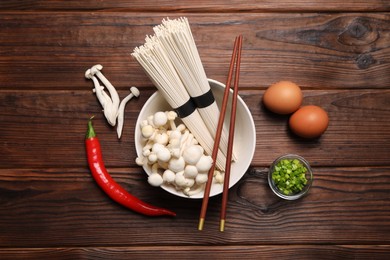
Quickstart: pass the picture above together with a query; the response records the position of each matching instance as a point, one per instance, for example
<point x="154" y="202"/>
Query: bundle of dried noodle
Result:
<point x="179" y="44"/>
<point x="171" y="67"/>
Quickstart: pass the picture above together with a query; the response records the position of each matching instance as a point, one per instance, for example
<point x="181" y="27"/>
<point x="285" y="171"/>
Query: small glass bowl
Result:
<point x="309" y="177"/>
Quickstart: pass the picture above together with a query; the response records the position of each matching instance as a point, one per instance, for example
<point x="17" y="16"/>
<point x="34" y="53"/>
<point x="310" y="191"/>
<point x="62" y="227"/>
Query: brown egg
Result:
<point x="283" y="97"/>
<point x="309" y="121"/>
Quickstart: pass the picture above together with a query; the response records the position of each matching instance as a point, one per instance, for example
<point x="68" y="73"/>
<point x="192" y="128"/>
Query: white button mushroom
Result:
<point x="174" y="143"/>
<point x="140" y="161"/>
<point x="176" y="164"/>
<point x="171" y="116"/>
<point x="155" y="179"/>
<point x="160" y="119"/>
<point x="161" y="138"/>
<point x="144" y="123"/>
<point x="190" y="171"/>
<point x="163" y="154"/>
<point x="146" y="152"/>
<point x="201" y="178"/>
<point x="169" y="176"/>
<point x="204" y="164"/>
<point x="152" y="158"/>
<point x="174" y="135"/>
<point x="181" y="128"/>
<point x="180" y="180"/>
<point x="157" y="147"/>
<point x="147" y="131"/>
<point x="189" y="183"/>
<point x="218" y="176"/>
<point x="192" y="154"/>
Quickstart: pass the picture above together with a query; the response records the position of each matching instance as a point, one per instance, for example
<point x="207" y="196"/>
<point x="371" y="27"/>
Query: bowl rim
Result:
<point x="307" y="187"/>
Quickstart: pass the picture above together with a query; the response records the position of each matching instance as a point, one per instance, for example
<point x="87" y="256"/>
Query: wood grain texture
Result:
<point x="292" y="252"/>
<point x="332" y="51"/>
<point x="50" y="207"/>
<point x="64" y="207"/>
<point x="52" y="125"/>
<point x="203" y="6"/>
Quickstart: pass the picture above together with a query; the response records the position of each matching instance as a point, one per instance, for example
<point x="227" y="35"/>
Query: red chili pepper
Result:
<point x="109" y="186"/>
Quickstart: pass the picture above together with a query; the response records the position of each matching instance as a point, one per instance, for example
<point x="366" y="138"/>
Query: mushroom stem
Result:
<point x="96" y="70"/>
<point x="121" y="111"/>
<point x="102" y="96"/>
<point x="171" y="115"/>
<point x="109" y="108"/>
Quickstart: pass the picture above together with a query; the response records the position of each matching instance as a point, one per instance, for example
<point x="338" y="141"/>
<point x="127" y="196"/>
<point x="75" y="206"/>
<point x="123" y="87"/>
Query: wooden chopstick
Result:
<point x="231" y="138"/>
<point x="218" y="137"/>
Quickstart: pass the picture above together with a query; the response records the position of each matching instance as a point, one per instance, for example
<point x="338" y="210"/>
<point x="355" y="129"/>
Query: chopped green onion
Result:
<point x="289" y="176"/>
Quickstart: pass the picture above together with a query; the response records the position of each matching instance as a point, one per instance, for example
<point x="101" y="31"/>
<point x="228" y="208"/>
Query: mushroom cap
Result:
<point x="201" y="178"/>
<point x="175" y="134"/>
<point x="160" y="119"/>
<point x="163" y="154"/>
<point x="152" y="158"/>
<point x="157" y="147"/>
<point x="190" y="171"/>
<point x="135" y="91"/>
<point x="169" y="176"/>
<point x="219" y="177"/>
<point x="189" y="182"/>
<point x="176" y="164"/>
<point x="204" y="164"/>
<point x="155" y="179"/>
<point x="96" y="68"/>
<point x="171" y="115"/>
<point x="140" y="161"/>
<point x="161" y="138"/>
<point x="88" y="74"/>
<point x="147" y="131"/>
<point x="192" y="154"/>
<point x="180" y="180"/>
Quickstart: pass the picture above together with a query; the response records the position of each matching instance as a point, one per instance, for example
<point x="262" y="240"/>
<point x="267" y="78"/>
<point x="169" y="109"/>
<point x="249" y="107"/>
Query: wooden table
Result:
<point x="51" y="208"/>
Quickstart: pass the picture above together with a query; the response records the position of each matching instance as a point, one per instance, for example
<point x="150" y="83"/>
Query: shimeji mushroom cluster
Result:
<point x="174" y="155"/>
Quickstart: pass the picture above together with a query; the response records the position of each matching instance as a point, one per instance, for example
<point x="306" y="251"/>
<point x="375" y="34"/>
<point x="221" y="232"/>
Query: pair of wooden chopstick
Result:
<point x="235" y="60"/>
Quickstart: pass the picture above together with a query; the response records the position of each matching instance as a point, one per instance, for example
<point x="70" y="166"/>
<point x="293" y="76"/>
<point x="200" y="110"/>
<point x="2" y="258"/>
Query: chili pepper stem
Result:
<point x="90" y="131"/>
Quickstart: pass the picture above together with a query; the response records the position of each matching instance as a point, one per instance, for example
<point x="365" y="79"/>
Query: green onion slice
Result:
<point x="289" y="176"/>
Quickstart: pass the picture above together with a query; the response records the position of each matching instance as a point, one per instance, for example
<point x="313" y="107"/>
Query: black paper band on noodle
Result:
<point x="204" y="100"/>
<point x="186" y="109"/>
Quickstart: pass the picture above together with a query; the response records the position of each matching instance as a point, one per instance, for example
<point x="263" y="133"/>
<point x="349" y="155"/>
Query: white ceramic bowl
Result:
<point x="244" y="138"/>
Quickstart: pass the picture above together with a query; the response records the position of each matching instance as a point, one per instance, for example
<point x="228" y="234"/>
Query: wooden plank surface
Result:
<point x="215" y="252"/>
<point x="64" y="207"/>
<point x="315" y="50"/>
<point x="200" y="6"/>
<point x="34" y="121"/>
<point x="50" y="207"/>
